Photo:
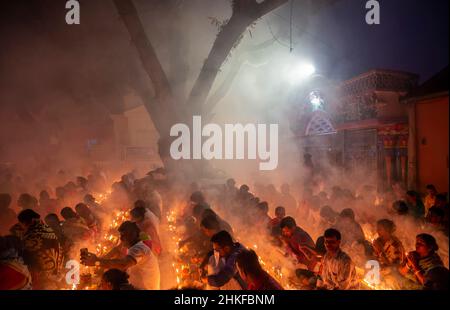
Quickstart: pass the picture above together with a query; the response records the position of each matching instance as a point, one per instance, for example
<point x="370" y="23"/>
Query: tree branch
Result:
<point x="235" y="66"/>
<point x="245" y="12"/>
<point x="163" y="107"/>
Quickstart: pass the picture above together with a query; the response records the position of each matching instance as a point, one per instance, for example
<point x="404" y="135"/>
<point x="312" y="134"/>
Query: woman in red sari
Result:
<point x="14" y="274"/>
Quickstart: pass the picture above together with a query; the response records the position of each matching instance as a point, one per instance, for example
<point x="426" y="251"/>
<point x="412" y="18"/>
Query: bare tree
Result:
<point x="163" y="107"/>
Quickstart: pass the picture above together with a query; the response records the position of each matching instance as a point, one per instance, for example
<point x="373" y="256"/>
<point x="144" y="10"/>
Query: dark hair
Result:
<point x="387" y="225"/>
<point x="254" y="200"/>
<point x="223" y="238"/>
<point x="280" y="209"/>
<point x="51" y="216"/>
<point x="88" y="198"/>
<point x="231" y="180"/>
<point x="327" y="212"/>
<point x="248" y="262"/>
<point x="210" y="222"/>
<point x="68" y="213"/>
<point x="347" y="213"/>
<point x="331" y="232"/>
<point x="400" y="207"/>
<point x="5" y="200"/>
<point x="27" y="201"/>
<point x="82" y="181"/>
<point x="44" y="193"/>
<point x="27" y="216"/>
<point x="244" y="187"/>
<point x="288" y="222"/>
<point x="429" y="240"/>
<point x="320" y="245"/>
<point x="138" y="211"/>
<point x="208" y="212"/>
<point x="198" y="209"/>
<point x="116" y="278"/>
<point x="129" y="226"/>
<point x="197" y="197"/>
<point x="263" y="206"/>
<point x="82" y="208"/>
<point x="431" y="187"/>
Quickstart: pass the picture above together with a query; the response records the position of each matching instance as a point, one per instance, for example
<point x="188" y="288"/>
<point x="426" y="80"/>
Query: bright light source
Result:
<point x="300" y="72"/>
<point x="315" y="99"/>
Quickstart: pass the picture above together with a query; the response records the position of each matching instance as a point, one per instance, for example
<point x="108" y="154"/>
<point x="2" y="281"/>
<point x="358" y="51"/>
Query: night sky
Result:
<point x="412" y="36"/>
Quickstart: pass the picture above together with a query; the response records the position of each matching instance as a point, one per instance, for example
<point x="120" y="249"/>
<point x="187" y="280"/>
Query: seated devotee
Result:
<point x="399" y="207"/>
<point x="47" y="204"/>
<point x="425" y="266"/>
<point x="90" y="201"/>
<point x="352" y="232"/>
<point x="74" y="227"/>
<point x="222" y="271"/>
<point x="198" y="198"/>
<point x="229" y="191"/>
<point x="388" y="249"/>
<point x="224" y="225"/>
<point x="195" y="239"/>
<point x="441" y="202"/>
<point x="287" y="200"/>
<point x="274" y="224"/>
<point x="55" y="224"/>
<point x="328" y="217"/>
<point x="436" y="218"/>
<point x="337" y="271"/>
<point x="42" y="251"/>
<point x="61" y="198"/>
<point x="415" y="204"/>
<point x="243" y="196"/>
<point x="350" y="229"/>
<point x="14" y="274"/>
<point x="91" y="220"/>
<point x="299" y="243"/>
<point x="8" y="216"/>
<point x="389" y="252"/>
<point x="430" y="198"/>
<point x="139" y="262"/>
<point x="211" y="225"/>
<point x="26" y="201"/>
<point x="253" y="274"/>
<point x="151" y="211"/>
<point x="197" y="212"/>
<point x="261" y="217"/>
<point x="82" y="185"/>
<point x="140" y="216"/>
<point x="115" y="280"/>
<point x="320" y="246"/>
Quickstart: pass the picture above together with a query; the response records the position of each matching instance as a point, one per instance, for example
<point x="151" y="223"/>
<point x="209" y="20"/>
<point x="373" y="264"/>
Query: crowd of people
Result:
<point x="322" y="236"/>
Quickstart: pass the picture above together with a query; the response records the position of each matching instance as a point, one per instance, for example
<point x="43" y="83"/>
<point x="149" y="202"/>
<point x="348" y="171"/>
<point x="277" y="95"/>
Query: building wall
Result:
<point x="432" y="143"/>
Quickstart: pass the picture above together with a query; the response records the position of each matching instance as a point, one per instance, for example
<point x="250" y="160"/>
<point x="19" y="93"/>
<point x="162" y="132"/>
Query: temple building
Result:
<point x="360" y="125"/>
